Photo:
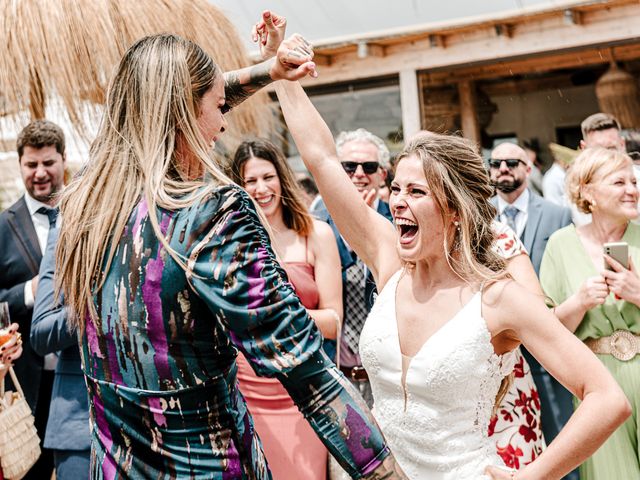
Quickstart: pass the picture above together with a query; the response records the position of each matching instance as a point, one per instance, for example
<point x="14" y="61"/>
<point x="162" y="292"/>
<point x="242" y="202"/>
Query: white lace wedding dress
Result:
<point x="437" y="424"/>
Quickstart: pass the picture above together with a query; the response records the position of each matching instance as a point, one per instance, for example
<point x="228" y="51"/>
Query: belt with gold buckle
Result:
<point x="621" y="344"/>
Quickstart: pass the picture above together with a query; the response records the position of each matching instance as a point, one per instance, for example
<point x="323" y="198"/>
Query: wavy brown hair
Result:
<point x="153" y="99"/>
<point x="459" y="184"/>
<point x="295" y="213"/>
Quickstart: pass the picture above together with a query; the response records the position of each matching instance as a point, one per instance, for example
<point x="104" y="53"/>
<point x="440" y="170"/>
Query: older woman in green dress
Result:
<point x="596" y="297"/>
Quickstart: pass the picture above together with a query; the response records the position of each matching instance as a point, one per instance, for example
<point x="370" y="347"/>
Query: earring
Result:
<point x="458" y="235"/>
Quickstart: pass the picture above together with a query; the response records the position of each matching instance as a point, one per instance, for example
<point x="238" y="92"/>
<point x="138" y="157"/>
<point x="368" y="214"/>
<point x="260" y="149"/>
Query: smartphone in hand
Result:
<point x="619" y="251"/>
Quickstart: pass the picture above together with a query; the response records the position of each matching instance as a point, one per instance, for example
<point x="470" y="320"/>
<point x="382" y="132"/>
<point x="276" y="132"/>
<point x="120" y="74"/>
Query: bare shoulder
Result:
<point x="322" y="241"/>
<point x="506" y="303"/>
<point x="322" y="231"/>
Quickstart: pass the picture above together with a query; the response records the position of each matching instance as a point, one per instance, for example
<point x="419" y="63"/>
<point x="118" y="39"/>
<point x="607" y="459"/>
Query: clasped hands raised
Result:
<point x="293" y="56"/>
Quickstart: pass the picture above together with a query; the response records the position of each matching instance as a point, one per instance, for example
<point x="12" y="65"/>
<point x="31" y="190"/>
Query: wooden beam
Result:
<point x="376" y="50"/>
<point x="410" y="102"/>
<point x="469" y="111"/>
<point x="411" y="33"/>
<point x="437" y="41"/>
<point x="600" y="27"/>
<point x="534" y="64"/>
<point x="572" y="16"/>
<point x="504" y="29"/>
<point x="527" y="85"/>
<point x="322" y="60"/>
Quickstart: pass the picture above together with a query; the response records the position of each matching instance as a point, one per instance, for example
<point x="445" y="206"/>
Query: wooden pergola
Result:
<point x="568" y="34"/>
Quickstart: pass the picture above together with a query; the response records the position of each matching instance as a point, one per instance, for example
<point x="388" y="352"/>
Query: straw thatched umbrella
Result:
<point x="67" y="49"/>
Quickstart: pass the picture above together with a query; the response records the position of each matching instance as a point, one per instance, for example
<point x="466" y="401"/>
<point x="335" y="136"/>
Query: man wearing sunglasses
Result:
<point x="533" y="219"/>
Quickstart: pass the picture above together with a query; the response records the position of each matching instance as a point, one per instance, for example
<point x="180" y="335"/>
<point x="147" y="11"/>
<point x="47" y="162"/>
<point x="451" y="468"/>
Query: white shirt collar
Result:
<point x="521" y="203"/>
<point x="33" y="205"/>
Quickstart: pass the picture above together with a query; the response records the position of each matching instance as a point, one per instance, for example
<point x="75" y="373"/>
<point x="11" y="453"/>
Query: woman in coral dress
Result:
<point x="308" y="253"/>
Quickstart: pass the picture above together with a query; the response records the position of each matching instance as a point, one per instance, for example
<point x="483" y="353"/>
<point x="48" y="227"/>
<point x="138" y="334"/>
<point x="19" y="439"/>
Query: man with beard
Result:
<point x="529" y="215"/>
<point x="534" y="220"/>
<point x="24" y="228"/>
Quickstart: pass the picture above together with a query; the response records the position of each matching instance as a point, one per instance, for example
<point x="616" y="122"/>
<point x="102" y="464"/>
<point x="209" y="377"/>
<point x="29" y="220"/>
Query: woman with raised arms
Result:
<point x="440" y="338"/>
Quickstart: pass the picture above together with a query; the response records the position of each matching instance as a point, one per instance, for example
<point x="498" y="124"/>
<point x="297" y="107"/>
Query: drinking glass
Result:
<point x="5" y="323"/>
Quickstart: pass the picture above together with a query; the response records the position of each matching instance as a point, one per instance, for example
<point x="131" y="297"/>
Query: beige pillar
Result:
<point x="410" y="102"/>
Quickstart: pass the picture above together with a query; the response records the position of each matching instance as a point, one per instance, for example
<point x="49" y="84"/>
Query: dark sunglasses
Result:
<point x="511" y="162"/>
<point x="367" y="167"/>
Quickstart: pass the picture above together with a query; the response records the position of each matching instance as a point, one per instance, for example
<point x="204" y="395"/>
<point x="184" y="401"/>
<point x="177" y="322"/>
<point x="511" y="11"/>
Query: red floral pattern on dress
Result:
<point x="516" y="424"/>
<point x="510" y="456"/>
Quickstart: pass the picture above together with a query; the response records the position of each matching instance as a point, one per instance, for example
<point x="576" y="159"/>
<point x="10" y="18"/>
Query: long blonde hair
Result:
<point x="153" y="99"/>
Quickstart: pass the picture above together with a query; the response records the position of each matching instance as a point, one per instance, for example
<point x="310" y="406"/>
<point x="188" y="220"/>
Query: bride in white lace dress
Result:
<point x="440" y="338"/>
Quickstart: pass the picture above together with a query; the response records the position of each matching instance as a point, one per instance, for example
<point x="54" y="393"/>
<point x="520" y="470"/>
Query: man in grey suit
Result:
<point x="67" y="432"/>
<point x="534" y="220"/>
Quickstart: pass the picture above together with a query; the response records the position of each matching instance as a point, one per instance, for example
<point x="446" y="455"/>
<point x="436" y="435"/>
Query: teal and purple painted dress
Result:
<point x="160" y="359"/>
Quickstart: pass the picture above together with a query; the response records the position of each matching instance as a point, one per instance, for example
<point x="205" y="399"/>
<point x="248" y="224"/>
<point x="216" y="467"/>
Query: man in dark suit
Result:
<point x="67" y="433"/>
<point x="365" y="157"/>
<point x="534" y="220"/>
<point x="24" y="228"/>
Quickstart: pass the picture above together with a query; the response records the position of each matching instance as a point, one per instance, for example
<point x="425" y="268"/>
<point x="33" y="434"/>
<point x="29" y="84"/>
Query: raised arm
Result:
<point x="289" y="62"/>
<point x="369" y="234"/>
<point x="573" y="365"/>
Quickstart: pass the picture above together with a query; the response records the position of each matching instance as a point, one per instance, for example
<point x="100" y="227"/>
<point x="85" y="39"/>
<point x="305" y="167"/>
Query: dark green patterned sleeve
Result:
<point x="232" y="267"/>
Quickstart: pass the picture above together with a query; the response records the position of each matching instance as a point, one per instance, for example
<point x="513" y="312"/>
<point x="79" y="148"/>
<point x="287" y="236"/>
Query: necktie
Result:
<point x="510" y="214"/>
<point x="52" y="213"/>
<point x="355" y="305"/>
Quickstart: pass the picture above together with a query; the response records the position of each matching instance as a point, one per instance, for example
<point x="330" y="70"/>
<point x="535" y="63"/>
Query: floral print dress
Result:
<point x="516" y="425"/>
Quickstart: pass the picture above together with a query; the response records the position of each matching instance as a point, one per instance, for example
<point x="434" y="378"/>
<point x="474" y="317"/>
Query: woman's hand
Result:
<point x="624" y="283"/>
<point x="11" y="350"/>
<point x="269" y="33"/>
<point x="293" y="56"/>
<point x="496" y="473"/>
<point x="293" y="60"/>
<point x="593" y="292"/>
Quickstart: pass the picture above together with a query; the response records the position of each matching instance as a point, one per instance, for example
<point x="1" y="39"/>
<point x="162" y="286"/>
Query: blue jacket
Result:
<point x="68" y="425"/>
